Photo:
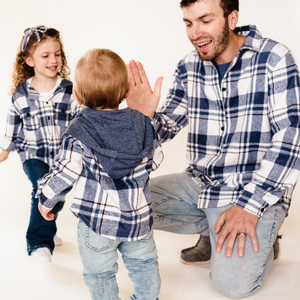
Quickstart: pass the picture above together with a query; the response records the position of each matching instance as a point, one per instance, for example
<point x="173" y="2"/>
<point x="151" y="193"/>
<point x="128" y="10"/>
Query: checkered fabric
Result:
<point x="117" y="209"/>
<point x="243" y="136"/>
<point x="35" y="124"/>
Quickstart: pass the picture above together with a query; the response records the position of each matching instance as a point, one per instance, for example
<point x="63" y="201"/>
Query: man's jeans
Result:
<point x="40" y="233"/>
<point x="99" y="257"/>
<point x="174" y="200"/>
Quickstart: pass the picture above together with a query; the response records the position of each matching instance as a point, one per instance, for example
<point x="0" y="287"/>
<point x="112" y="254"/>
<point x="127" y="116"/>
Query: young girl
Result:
<point x="41" y="108"/>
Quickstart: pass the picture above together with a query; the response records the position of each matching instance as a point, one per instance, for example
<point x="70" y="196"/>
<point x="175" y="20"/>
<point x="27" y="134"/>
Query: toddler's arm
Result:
<point x="46" y="213"/>
<point x="62" y="175"/>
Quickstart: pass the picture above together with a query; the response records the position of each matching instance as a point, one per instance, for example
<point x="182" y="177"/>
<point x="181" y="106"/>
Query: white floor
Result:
<point x="20" y="279"/>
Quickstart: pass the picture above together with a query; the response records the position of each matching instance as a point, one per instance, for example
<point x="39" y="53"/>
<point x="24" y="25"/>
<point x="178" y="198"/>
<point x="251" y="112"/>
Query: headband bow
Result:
<point x="29" y="31"/>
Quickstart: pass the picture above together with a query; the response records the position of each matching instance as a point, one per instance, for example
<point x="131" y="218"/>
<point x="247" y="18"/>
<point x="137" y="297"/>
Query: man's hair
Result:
<point x="100" y="79"/>
<point x="228" y="5"/>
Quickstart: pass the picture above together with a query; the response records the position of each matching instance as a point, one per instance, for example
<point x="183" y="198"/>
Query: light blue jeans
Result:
<point x="174" y="201"/>
<point x="99" y="257"/>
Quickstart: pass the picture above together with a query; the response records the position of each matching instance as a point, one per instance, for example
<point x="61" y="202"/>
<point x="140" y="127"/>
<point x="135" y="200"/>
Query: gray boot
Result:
<point x="199" y="254"/>
<point x="276" y="248"/>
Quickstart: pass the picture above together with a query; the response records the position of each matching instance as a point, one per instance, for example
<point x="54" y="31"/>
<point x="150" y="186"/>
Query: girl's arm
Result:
<point x="4" y="155"/>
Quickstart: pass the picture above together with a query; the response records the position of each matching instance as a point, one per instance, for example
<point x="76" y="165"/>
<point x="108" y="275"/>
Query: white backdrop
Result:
<point x="150" y="31"/>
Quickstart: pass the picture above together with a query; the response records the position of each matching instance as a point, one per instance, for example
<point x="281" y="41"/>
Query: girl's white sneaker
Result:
<point x="57" y="241"/>
<point x="41" y="255"/>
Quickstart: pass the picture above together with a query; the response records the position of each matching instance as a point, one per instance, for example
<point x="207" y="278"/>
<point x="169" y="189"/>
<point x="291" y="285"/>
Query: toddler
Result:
<point x="109" y="153"/>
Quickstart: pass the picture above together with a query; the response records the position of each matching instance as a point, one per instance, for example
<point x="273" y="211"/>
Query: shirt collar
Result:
<point x="253" y="37"/>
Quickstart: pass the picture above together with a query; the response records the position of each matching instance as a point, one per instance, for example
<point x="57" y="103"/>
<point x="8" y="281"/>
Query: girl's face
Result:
<point x="46" y="59"/>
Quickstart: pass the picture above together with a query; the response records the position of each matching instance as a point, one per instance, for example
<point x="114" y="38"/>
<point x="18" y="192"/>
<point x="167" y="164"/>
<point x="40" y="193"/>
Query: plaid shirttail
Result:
<point x="243" y="136"/>
<point x="117" y="209"/>
<point x="34" y="125"/>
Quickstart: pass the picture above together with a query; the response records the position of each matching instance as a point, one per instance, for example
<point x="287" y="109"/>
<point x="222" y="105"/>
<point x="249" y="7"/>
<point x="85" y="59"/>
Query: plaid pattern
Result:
<point x="117" y="209"/>
<point x="243" y="137"/>
<point x="34" y="125"/>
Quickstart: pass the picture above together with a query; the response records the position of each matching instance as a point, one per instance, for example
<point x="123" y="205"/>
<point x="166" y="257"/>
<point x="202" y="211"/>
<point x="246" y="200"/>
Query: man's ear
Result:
<point x="29" y="61"/>
<point x="233" y="19"/>
<point x="76" y="97"/>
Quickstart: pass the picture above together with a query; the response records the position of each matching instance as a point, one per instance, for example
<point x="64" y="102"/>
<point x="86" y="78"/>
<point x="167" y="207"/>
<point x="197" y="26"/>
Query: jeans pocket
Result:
<point x="147" y="238"/>
<point x="95" y="241"/>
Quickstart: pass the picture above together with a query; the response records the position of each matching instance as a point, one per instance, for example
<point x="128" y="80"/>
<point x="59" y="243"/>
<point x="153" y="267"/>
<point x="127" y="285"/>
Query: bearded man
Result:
<point x="239" y="95"/>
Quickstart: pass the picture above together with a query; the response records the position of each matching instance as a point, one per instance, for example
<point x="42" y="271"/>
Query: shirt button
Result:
<point x="48" y="118"/>
<point x="63" y="111"/>
<point x="223" y="89"/>
<point x="52" y="153"/>
<point x="262" y="209"/>
<point x="222" y="128"/>
<point x="46" y="102"/>
<point x="28" y="114"/>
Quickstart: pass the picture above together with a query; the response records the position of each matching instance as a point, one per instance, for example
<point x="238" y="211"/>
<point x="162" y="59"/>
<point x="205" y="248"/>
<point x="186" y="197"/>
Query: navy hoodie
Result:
<point x="120" y="139"/>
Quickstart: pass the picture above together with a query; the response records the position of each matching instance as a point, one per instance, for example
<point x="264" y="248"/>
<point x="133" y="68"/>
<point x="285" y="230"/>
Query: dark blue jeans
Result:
<point x="40" y="232"/>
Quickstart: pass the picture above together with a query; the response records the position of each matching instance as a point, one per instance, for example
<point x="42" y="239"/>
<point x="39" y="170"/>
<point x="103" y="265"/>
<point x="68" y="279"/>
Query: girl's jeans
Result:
<point x="174" y="202"/>
<point x="40" y="232"/>
<point x="99" y="257"/>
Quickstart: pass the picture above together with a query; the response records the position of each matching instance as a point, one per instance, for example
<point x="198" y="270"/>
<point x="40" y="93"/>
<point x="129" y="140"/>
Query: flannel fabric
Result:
<point x="35" y="124"/>
<point x="119" y="209"/>
<point x="243" y="137"/>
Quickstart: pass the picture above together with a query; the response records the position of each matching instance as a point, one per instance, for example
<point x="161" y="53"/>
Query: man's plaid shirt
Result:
<point x="243" y="137"/>
<point x="35" y="124"/>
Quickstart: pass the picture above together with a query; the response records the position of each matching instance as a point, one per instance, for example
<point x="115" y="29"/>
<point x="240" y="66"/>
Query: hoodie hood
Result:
<point x="120" y="139"/>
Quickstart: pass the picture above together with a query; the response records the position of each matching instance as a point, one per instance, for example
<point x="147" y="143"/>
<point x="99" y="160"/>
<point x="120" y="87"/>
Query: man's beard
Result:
<point x="221" y="44"/>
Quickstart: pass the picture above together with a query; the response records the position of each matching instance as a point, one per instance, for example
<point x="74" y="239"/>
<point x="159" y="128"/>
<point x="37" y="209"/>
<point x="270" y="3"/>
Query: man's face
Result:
<point x="207" y="28"/>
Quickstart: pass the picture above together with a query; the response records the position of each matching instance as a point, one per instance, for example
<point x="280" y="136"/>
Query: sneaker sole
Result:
<point x="195" y="262"/>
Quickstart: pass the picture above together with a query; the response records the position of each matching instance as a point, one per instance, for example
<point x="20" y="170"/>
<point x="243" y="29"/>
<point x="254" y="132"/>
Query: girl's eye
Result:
<point x="45" y="56"/>
<point x="58" y="54"/>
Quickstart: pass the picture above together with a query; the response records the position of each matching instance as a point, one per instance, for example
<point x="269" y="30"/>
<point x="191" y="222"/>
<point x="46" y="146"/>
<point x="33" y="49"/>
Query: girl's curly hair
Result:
<point x="21" y="71"/>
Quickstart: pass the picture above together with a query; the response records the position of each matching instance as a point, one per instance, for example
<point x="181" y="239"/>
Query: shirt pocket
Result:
<point x="62" y="112"/>
<point x="30" y="119"/>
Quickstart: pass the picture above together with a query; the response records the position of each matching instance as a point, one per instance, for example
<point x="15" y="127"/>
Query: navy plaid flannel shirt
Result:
<point x="117" y="209"/>
<point x="35" y="124"/>
<point x="243" y="136"/>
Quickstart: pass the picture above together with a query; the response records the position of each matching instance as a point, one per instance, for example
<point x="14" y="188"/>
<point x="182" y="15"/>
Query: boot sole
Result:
<point x="195" y="262"/>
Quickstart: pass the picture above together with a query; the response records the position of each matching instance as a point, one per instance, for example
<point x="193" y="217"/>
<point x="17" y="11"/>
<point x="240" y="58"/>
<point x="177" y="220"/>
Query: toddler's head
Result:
<point x="33" y="38"/>
<point x="100" y="79"/>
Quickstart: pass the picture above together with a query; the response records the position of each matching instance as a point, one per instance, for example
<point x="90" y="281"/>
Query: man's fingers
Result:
<point x="130" y="75"/>
<point x="219" y="224"/>
<point x="241" y="244"/>
<point x="157" y="87"/>
<point x="136" y="68"/>
<point x="142" y="73"/>
<point x="254" y="240"/>
<point x="221" y="239"/>
<point x="230" y="243"/>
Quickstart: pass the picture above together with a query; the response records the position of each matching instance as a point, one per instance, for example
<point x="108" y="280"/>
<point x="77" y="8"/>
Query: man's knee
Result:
<point x="237" y="287"/>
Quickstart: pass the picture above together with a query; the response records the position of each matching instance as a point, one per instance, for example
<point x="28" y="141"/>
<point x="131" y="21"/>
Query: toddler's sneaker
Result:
<point x="57" y="241"/>
<point x="41" y="255"/>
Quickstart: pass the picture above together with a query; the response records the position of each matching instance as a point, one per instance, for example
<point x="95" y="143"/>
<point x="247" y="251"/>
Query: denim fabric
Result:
<point x="174" y="202"/>
<point x="40" y="232"/>
<point x="99" y="257"/>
